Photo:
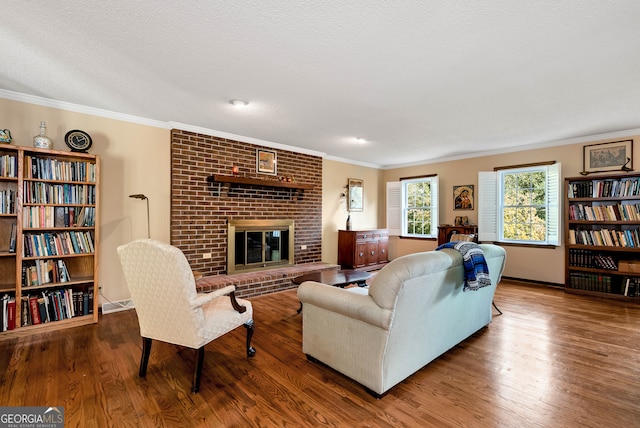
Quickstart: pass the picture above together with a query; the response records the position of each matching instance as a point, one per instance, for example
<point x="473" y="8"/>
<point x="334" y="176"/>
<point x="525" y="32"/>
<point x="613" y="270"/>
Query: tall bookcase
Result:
<point x="49" y="240"/>
<point x="602" y="236"/>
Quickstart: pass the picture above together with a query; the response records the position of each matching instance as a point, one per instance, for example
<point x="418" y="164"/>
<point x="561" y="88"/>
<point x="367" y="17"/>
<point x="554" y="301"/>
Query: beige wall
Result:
<point x="334" y="207"/>
<point x="135" y="159"/>
<point x="527" y="263"/>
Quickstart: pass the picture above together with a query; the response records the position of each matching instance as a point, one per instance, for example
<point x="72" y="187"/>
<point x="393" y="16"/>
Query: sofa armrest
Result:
<point x="338" y="300"/>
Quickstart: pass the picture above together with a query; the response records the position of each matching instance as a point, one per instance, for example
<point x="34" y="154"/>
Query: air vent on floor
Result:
<point x="118" y="306"/>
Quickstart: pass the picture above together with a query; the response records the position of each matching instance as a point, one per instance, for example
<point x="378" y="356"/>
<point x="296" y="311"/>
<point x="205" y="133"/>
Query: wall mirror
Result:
<point x="355" y="200"/>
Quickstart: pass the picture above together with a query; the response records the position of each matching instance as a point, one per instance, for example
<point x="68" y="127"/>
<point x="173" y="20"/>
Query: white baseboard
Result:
<point x="121" y="305"/>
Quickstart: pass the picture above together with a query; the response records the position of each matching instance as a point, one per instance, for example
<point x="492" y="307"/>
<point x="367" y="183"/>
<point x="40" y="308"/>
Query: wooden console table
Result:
<point x="445" y="232"/>
<point x="363" y="249"/>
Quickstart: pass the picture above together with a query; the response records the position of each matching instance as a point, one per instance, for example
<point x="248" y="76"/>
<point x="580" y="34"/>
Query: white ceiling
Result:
<point x="420" y="80"/>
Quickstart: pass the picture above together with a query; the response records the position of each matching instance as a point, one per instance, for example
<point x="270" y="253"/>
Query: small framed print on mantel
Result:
<point x="266" y="162"/>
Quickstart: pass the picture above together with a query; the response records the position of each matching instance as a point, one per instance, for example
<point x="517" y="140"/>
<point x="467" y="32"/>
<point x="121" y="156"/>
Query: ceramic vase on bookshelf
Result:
<point x="41" y="140"/>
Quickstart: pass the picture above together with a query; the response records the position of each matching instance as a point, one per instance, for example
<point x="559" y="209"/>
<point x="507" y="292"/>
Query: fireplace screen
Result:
<point x="259" y="244"/>
<point x="261" y="247"/>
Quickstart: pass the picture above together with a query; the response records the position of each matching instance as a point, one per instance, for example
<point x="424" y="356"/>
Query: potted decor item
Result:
<point x="41" y="140"/>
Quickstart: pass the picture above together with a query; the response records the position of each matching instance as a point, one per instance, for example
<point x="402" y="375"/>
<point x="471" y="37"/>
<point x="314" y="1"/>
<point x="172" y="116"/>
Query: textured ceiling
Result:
<point x="420" y="80"/>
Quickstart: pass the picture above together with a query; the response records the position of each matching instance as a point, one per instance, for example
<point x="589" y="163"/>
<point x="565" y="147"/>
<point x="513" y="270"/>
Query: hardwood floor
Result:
<point x="552" y="359"/>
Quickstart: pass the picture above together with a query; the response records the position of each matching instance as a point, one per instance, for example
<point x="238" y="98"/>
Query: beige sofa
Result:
<point x="414" y="311"/>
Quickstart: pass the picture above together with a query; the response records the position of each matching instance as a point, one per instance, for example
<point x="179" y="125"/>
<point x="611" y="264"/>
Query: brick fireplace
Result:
<point x="201" y="210"/>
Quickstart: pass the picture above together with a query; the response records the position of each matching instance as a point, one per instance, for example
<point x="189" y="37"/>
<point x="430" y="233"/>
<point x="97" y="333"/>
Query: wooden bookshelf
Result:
<point x="54" y="220"/>
<point x="602" y="236"/>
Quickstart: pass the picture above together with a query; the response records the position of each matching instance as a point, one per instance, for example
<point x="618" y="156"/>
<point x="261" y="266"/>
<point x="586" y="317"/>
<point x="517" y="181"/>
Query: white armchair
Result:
<point x="169" y="309"/>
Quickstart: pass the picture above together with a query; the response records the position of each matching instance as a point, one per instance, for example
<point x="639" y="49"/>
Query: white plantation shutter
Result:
<point x="434" y="206"/>
<point x="487" y="206"/>
<point x="394" y="208"/>
<point x="553" y="204"/>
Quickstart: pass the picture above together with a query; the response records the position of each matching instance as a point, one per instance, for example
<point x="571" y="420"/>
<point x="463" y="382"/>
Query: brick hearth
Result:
<point x="261" y="282"/>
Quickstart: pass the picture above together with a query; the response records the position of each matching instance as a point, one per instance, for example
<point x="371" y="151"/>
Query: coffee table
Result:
<point x="336" y="278"/>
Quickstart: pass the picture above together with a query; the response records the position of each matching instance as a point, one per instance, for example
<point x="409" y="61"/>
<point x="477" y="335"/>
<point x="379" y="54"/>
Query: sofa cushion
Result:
<point x="387" y="283"/>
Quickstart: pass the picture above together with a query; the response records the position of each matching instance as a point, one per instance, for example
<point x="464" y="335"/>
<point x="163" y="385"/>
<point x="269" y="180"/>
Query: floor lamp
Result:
<point x="141" y="196"/>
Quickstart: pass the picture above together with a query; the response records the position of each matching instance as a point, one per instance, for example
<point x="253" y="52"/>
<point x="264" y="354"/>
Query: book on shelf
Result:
<point x="25" y="318"/>
<point x="43" y="310"/>
<point x="12" y="239"/>
<point x="34" y="310"/>
<point x="626" y="287"/>
<point x="632" y="287"/>
<point x="11" y="313"/>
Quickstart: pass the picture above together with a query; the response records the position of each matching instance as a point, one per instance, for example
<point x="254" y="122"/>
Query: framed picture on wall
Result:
<point x="463" y="197"/>
<point x="266" y="162"/>
<point x="355" y="201"/>
<point x="616" y="156"/>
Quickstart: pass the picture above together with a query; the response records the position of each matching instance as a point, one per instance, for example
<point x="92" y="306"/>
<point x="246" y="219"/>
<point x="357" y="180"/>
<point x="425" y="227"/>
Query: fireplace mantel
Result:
<point x="230" y="180"/>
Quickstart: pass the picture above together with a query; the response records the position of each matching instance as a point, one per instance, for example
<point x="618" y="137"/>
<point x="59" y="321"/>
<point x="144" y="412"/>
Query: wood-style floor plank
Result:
<point x="551" y="359"/>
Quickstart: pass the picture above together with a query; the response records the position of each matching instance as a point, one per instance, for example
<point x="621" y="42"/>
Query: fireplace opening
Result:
<point x="259" y="244"/>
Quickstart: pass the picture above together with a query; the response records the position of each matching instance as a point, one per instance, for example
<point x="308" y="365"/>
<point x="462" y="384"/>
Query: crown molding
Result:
<point x="553" y="143"/>
<point x="77" y="108"/>
<point x="244" y="139"/>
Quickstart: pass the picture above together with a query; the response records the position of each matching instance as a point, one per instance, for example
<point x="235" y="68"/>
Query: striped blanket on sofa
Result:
<point x="476" y="271"/>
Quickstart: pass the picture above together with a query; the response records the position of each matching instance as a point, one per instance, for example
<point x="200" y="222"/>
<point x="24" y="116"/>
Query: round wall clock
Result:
<point x="78" y="141"/>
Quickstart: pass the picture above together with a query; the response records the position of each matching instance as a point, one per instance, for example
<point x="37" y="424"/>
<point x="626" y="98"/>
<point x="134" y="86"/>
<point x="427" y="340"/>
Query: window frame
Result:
<point x="397" y="209"/>
<point x="491" y="204"/>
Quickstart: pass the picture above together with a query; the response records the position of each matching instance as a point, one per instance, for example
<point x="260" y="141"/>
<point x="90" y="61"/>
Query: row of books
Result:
<point x="54" y="169"/>
<point x="49" y="306"/>
<point x="590" y="282"/>
<point x="57" y="244"/>
<point x="604" y="189"/>
<point x="591" y="259"/>
<point x="8" y="166"/>
<point x="41" y="272"/>
<point x="613" y="212"/>
<point x="50" y="216"/>
<point x="38" y="192"/>
<point x="7" y="201"/>
<point x="605" y="237"/>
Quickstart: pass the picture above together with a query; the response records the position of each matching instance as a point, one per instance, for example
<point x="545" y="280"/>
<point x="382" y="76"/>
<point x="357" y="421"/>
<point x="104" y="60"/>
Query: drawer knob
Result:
<point x="373" y="253"/>
<point x="361" y="254"/>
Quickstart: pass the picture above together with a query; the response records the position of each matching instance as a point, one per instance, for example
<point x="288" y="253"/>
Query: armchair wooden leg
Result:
<point x="146" y="350"/>
<point x="198" y="371"/>
<point x="249" y="326"/>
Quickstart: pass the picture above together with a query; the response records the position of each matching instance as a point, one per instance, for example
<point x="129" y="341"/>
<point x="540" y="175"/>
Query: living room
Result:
<point x="138" y="157"/>
<point x="141" y="162"/>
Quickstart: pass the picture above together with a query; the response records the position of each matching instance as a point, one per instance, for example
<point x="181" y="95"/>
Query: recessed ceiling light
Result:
<point x="238" y="103"/>
<point x="360" y="140"/>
